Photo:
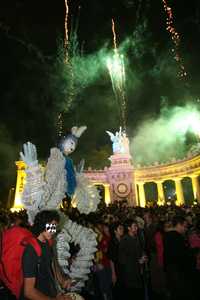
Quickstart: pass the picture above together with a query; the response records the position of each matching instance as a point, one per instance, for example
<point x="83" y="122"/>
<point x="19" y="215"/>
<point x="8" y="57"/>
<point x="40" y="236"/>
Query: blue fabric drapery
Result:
<point x="71" y="176"/>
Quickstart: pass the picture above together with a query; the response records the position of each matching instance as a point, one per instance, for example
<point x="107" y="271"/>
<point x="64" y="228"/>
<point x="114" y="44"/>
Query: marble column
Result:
<point x="142" y="198"/>
<point x="107" y="193"/>
<point x="137" y="202"/>
<point x="179" y="191"/>
<point x="161" y="195"/>
<point x="196" y="187"/>
<point x="19" y="187"/>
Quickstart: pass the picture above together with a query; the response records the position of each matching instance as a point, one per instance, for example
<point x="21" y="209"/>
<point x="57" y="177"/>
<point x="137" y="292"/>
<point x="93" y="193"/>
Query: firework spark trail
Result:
<point x="60" y="120"/>
<point x="66" y="39"/>
<point x="67" y="62"/>
<point x="111" y="65"/>
<point x="114" y="36"/>
<point x="175" y="38"/>
<point x="116" y="70"/>
<point x="60" y="124"/>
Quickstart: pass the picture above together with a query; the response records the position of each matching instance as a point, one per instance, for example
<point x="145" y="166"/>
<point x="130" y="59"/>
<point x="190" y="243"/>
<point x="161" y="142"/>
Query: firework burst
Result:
<point x="175" y="39"/>
<point x="115" y="65"/>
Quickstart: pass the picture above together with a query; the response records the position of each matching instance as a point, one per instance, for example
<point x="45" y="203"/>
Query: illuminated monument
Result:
<point x="124" y="181"/>
<point x="118" y="179"/>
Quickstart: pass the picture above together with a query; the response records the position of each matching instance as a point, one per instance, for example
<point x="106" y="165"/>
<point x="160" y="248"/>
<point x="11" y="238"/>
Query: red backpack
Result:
<point x="13" y="243"/>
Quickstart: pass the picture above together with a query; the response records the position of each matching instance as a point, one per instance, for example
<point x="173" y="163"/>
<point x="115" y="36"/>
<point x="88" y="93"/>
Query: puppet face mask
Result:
<point x="51" y="228"/>
<point x="69" y="146"/>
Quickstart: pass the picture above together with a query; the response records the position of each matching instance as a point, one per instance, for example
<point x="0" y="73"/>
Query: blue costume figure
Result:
<point x="67" y="146"/>
<point x="48" y="186"/>
<point x="71" y="177"/>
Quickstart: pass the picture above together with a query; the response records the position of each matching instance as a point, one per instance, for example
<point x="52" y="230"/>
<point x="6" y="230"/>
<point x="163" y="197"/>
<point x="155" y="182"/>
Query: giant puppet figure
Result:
<point x="46" y="187"/>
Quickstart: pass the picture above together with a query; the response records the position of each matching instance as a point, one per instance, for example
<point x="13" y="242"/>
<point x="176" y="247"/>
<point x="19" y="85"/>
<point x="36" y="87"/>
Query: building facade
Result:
<point x="121" y="180"/>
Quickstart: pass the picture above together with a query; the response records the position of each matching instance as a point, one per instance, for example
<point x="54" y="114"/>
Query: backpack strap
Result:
<point x="34" y="243"/>
<point x="1" y="246"/>
<point x="1" y="254"/>
<point x="31" y="240"/>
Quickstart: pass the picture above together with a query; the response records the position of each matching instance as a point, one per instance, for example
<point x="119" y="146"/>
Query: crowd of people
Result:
<point x="143" y="253"/>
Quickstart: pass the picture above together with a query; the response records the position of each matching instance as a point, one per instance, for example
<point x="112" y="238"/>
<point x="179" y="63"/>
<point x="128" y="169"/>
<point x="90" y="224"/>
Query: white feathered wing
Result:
<point x="55" y="180"/>
<point x="86" y="197"/>
<point x="45" y="188"/>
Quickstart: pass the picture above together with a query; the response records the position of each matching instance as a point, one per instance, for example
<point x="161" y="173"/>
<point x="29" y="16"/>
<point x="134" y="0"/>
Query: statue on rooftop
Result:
<point x="120" y="142"/>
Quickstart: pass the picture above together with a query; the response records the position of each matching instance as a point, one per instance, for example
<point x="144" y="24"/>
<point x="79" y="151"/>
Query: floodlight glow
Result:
<point x="188" y="121"/>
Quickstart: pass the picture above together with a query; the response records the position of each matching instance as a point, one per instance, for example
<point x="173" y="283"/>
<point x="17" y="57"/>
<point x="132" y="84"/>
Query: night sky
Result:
<point x="35" y="84"/>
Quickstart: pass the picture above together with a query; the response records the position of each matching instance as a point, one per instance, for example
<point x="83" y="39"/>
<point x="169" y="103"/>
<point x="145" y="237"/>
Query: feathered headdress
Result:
<point x="75" y="134"/>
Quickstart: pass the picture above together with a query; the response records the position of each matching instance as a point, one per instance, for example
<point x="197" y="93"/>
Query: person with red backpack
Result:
<point x="26" y="266"/>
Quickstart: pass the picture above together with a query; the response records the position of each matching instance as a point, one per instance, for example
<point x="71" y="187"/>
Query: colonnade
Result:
<point x="178" y="188"/>
<point x="158" y="174"/>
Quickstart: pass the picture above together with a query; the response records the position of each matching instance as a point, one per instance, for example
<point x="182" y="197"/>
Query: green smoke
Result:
<point x="167" y="137"/>
<point x="87" y="69"/>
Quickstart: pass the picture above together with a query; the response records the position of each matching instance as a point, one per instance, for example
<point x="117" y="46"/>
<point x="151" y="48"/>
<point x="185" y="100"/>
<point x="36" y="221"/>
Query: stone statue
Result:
<point x="120" y="142"/>
<point x="125" y="142"/>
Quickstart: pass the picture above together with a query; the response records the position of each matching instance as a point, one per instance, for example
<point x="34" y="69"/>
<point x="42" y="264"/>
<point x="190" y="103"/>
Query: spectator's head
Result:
<point x="4" y="221"/>
<point x="167" y="226"/>
<point x="140" y="222"/>
<point x="160" y="226"/>
<point x="105" y="229"/>
<point x="180" y="224"/>
<point x="131" y="227"/>
<point x="45" y="223"/>
<point x="19" y="219"/>
<point x="117" y="230"/>
<point x="189" y="219"/>
<point x="148" y="219"/>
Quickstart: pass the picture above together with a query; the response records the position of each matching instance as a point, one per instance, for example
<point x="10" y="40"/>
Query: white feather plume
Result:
<point x="86" y="239"/>
<point x="86" y="197"/>
<point x="55" y="180"/>
<point x="32" y="197"/>
<point x="78" y="131"/>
